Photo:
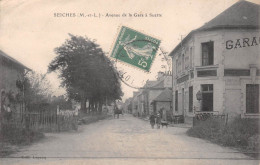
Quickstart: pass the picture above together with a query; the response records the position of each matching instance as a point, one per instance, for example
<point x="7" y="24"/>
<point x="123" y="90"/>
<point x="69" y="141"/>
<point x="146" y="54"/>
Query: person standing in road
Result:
<point x="116" y="111"/>
<point x="152" y="120"/>
<point x="158" y="120"/>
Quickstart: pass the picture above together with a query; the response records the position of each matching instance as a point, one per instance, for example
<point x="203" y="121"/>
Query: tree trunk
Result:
<point x="100" y="106"/>
<point x="91" y="105"/>
<point x="83" y="104"/>
<point x="95" y="106"/>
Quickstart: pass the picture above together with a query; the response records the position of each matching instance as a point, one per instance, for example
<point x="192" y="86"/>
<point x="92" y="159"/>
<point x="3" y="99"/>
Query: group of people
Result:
<point x="117" y="111"/>
<point x="155" y="119"/>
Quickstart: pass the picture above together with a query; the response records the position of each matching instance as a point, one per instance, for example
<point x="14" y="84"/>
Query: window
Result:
<point x="207" y="53"/>
<point x="207" y="97"/>
<point x="190" y="98"/>
<point x="176" y="100"/>
<point x="182" y="100"/>
<point x="177" y="67"/>
<point x="207" y="88"/>
<point x="183" y="63"/>
<point x="187" y="63"/>
<point x="191" y="57"/>
<point x="252" y="98"/>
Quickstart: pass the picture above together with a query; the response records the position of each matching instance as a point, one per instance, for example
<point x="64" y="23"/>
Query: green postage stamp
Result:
<point x="135" y="48"/>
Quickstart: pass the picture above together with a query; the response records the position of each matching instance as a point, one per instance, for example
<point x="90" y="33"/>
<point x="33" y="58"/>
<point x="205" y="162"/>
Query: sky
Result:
<point x="29" y="29"/>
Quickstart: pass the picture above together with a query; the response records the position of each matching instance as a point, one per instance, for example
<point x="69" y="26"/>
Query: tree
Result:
<point x="34" y="90"/>
<point x="85" y="71"/>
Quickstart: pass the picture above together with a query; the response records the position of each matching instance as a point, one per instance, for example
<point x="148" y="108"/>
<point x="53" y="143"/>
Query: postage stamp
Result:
<point x="135" y="48"/>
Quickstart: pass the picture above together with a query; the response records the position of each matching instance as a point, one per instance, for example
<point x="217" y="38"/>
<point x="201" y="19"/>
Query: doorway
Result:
<point x="252" y="98"/>
<point x="182" y="99"/>
<point x="207" y="97"/>
<point x="190" y="98"/>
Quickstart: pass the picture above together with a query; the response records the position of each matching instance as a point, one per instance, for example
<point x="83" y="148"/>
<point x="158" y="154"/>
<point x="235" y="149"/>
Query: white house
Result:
<point x="220" y="62"/>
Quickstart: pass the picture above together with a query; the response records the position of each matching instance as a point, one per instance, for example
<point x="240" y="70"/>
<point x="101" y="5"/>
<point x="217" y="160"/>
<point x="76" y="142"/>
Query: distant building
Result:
<point x="144" y="97"/>
<point x="135" y="104"/>
<point x="220" y="62"/>
<point x="127" y="106"/>
<point x="163" y="103"/>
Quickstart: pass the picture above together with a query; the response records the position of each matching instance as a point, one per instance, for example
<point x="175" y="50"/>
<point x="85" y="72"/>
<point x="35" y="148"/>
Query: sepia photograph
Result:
<point x="122" y="82"/>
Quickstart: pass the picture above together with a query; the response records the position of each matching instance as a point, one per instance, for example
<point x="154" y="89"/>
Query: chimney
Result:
<point x="160" y="75"/>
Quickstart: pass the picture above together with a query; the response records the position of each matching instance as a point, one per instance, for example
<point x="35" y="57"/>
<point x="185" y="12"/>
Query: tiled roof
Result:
<point x="243" y="15"/>
<point x="3" y="54"/>
<point x="165" y="95"/>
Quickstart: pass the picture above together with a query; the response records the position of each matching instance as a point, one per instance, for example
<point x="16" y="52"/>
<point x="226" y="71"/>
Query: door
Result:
<point x="207" y="97"/>
<point x="182" y="99"/>
<point x="190" y="98"/>
<point x="176" y="101"/>
<point x="252" y="98"/>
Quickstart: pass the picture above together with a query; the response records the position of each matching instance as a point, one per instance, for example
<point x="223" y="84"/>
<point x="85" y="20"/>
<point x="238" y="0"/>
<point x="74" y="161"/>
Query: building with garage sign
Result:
<point x="216" y="67"/>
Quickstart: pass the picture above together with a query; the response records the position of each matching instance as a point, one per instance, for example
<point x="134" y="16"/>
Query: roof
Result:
<point x="154" y="84"/>
<point x="242" y="15"/>
<point x="164" y="96"/>
<point x="3" y="54"/>
<point x="135" y="94"/>
<point x="150" y="83"/>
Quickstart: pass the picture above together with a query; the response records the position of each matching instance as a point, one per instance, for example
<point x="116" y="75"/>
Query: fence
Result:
<point x="201" y="116"/>
<point x="45" y="121"/>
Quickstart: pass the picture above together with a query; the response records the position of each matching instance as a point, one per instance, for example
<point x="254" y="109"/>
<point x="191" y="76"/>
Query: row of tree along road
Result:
<point x="86" y="73"/>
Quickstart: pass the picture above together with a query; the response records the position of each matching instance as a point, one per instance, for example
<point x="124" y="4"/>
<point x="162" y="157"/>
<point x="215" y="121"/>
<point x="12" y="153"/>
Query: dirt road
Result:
<point x="126" y="140"/>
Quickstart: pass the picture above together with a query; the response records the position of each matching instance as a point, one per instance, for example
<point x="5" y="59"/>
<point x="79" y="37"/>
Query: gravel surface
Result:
<point x="126" y="140"/>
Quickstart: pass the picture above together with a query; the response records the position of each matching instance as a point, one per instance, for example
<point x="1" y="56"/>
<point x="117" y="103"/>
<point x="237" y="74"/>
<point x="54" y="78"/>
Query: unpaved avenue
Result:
<point x="127" y="140"/>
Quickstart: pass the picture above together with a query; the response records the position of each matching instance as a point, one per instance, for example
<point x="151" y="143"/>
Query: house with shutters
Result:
<point x="11" y="70"/>
<point x="216" y="68"/>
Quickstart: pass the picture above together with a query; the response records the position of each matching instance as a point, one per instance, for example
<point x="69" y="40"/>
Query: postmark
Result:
<point x="138" y="79"/>
<point x="138" y="70"/>
<point x="135" y="48"/>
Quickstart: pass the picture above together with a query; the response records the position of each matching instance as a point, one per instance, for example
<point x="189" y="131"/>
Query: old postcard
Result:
<point x="129" y="82"/>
